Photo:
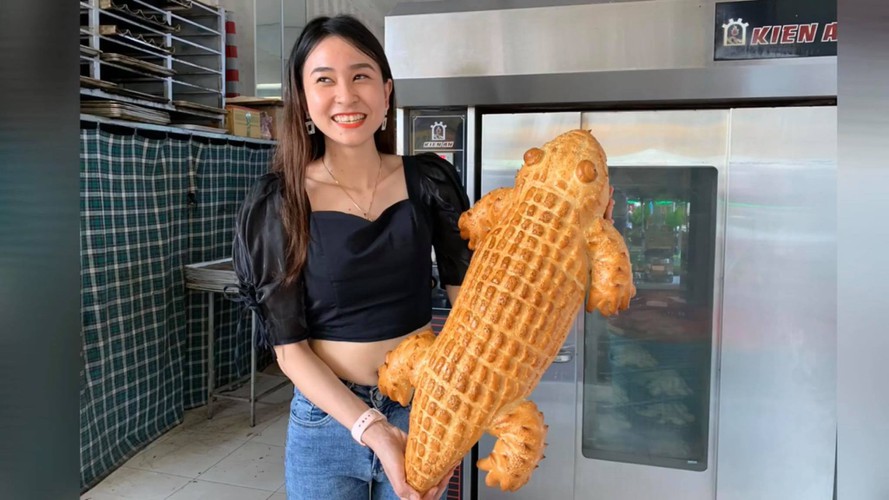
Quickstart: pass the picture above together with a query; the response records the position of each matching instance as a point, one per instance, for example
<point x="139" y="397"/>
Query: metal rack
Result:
<point x="218" y="276"/>
<point x="161" y="61"/>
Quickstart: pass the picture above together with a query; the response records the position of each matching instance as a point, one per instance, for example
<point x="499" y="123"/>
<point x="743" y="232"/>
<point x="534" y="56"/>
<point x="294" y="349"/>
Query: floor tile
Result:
<point x="187" y="453"/>
<point x="100" y="496"/>
<point x="232" y="417"/>
<point x="205" y="490"/>
<point x="136" y="484"/>
<point x="253" y="465"/>
<point x="281" y="395"/>
<point x="182" y="458"/>
<point x="275" y="433"/>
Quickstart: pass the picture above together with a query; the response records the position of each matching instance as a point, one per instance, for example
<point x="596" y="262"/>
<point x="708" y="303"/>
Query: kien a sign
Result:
<point x="767" y="29"/>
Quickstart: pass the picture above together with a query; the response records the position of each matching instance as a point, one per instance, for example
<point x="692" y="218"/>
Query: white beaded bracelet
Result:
<point x="366" y="419"/>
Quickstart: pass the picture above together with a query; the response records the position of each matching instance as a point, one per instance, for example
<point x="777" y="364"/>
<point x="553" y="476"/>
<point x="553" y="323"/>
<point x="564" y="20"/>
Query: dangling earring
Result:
<point x="385" y="118"/>
<point x="310" y="126"/>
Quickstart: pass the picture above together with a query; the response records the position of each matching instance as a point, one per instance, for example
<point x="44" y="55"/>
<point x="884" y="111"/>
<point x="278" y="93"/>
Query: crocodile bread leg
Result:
<point x="398" y="375"/>
<point x="520" y="434"/>
<point x="478" y="221"/>
<point x="611" y="277"/>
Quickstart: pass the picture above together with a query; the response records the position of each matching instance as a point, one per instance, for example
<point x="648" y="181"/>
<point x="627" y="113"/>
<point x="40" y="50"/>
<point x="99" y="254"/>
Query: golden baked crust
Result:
<point x="536" y="246"/>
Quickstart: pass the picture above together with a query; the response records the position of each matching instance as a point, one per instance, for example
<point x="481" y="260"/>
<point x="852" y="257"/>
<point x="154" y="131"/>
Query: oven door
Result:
<point x="628" y="406"/>
<point x="646" y="376"/>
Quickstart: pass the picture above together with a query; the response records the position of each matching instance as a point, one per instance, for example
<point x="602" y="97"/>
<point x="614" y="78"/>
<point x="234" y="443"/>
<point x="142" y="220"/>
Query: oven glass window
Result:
<point x="646" y="371"/>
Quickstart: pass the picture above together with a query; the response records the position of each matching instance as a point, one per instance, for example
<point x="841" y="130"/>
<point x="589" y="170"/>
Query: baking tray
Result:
<point x="138" y="64"/>
<point x="89" y="51"/>
<point x="205" y="4"/>
<point x="124" y="111"/>
<point x="255" y="101"/>
<point x="198" y="107"/>
<point x="114" y="30"/>
<point x="153" y="19"/>
<point x="200" y="114"/>
<point x="202" y="128"/>
<point x="97" y="84"/>
<point x="135" y="94"/>
<point x="213" y="276"/>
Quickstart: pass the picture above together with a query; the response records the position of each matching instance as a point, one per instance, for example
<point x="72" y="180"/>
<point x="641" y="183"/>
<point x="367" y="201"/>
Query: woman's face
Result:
<point x="346" y="96"/>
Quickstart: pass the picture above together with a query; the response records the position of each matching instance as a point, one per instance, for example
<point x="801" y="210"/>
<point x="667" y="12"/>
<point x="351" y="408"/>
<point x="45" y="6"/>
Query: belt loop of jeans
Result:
<point x="371" y="393"/>
<point x="377" y="397"/>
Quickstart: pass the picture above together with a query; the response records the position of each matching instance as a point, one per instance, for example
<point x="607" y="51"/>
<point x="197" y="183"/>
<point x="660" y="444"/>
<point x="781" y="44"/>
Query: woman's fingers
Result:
<point x="406" y="493"/>
<point x="609" y="209"/>
<point x="435" y="493"/>
<point x="394" y="470"/>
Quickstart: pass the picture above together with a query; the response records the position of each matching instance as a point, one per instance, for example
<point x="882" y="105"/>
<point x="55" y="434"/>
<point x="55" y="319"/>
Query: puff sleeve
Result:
<point x="446" y="199"/>
<point x="258" y="258"/>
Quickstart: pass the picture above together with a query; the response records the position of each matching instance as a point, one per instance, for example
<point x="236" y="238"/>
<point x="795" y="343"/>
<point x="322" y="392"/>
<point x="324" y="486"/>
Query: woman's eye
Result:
<point x="361" y="77"/>
<point x="323" y="79"/>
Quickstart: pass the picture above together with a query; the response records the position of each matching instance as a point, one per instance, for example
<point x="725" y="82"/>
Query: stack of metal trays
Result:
<point x="215" y="276"/>
<point x="114" y="88"/>
<point x="151" y="17"/>
<point x="135" y="94"/>
<point x="124" y="111"/>
<point x="202" y="110"/>
<point x="139" y="64"/>
<point x="150" y="40"/>
<point x="139" y="55"/>
<point x="202" y="128"/>
<point x="86" y="81"/>
<point x="179" y="5"/>
<point x="199" y="116"/>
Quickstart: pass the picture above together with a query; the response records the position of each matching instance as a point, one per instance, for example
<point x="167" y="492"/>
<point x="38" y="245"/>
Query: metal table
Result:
<point x="214" y="277"/>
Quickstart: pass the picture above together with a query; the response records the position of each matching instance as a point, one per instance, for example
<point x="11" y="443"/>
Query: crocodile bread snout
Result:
<point x="537" y="246"/>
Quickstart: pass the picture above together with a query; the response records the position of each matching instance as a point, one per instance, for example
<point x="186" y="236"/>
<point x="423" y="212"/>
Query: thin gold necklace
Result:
<point x="373" y="194"/>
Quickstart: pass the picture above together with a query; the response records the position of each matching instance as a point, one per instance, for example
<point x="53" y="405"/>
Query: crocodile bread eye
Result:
<point x="586" y="171"/>
<point x="532" y="156"/>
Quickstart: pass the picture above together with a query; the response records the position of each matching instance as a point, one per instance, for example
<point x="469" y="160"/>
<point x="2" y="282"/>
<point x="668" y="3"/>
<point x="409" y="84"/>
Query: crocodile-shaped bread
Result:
<point x="542" y="248"/>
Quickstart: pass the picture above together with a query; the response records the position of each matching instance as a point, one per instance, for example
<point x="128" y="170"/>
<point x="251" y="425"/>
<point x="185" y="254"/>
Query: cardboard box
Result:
<point x="272" y="106"/>
<point x="243" y="121"/>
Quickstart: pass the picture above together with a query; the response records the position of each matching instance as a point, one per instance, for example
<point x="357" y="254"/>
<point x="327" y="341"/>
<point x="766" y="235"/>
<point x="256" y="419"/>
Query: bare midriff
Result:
<point x="357" y="362"/>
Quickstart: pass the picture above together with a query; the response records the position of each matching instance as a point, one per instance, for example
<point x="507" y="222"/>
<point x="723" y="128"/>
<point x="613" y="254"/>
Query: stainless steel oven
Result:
<point x="719" y="381"/>
<point x="632" y="400"/>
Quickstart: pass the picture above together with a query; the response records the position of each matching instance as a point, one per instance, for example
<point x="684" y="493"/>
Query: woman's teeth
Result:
<point x="348" y="118"/>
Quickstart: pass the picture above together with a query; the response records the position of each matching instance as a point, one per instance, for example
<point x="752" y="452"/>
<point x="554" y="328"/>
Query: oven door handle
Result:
<point x="565" y="355"/>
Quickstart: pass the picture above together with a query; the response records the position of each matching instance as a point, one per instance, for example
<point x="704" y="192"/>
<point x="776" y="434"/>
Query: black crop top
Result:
<point x="363" y="280"/>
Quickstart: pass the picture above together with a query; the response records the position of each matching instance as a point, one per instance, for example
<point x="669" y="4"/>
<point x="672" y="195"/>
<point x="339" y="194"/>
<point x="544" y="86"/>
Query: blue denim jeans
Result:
<point x="322" y="461"/>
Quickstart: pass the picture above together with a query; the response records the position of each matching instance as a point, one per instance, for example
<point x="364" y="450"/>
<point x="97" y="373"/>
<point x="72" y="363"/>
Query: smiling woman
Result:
<point x="345" y="90"/>
<point x="333" y="251"/>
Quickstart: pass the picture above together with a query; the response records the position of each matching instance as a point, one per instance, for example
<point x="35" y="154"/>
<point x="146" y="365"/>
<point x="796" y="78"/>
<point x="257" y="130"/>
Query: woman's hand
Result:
<point x="609" y="215"/>
<point x="389" y="442"/>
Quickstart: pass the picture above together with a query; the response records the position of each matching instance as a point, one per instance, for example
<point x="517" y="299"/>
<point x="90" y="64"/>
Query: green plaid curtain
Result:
<point x="151" y="203"/>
